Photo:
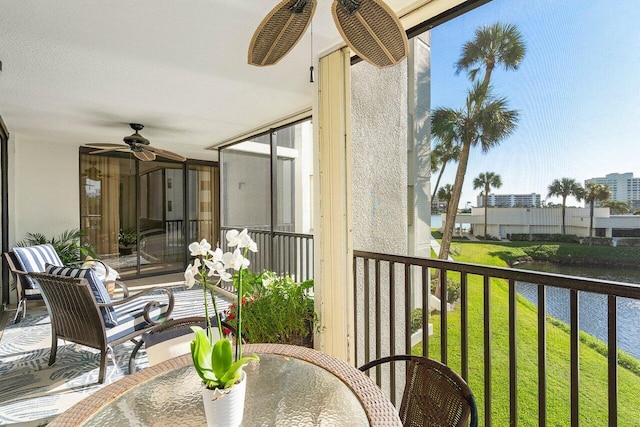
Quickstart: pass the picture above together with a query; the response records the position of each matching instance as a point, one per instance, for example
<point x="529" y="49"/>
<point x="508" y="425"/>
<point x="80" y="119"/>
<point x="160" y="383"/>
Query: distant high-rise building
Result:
<point x="511" y="200"/>
<point x="623" y="186"/>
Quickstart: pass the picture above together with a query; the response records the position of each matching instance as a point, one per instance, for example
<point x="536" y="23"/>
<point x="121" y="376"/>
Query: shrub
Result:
<point x="276" y="309"/>
<point x="67" y="245"/>
<point x="453" y="289"/>
<point x="544" y="237"/>
<point x="416" y="319"/>
<point x="628" y="242"/>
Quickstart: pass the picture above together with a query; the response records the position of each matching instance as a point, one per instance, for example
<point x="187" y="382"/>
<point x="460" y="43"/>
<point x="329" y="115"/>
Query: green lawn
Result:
<point x="593" y="366"/>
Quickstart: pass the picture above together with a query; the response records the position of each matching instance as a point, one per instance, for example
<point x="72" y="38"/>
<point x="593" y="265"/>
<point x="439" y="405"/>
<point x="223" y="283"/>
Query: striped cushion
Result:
<point x="99" y="291"/>
<point x="33" y="259"/>
<point x="131" y="318"/>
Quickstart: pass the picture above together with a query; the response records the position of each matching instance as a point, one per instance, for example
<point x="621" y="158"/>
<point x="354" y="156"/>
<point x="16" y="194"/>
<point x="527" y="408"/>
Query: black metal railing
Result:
<point x="285" y="253"/>
<point x="388" y="287"/>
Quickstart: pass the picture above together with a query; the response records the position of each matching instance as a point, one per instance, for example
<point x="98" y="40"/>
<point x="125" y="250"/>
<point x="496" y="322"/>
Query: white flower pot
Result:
<point x="225" y="408"/>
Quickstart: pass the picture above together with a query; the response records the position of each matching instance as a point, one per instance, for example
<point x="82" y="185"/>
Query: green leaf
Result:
<point x="200" y="354"/>
<point x="231" y="376"/>
<point x="221" y="357"/>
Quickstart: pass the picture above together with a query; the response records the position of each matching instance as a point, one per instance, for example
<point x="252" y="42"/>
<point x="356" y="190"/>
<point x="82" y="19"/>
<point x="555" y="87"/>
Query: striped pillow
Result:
<point x="99" y="291"/>
<point x="33" y="259"/>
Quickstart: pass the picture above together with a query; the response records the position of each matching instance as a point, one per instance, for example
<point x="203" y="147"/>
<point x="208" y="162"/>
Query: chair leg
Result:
<point x="54" y="348"/>
<point x="21" y="311"/>
<point x="134" y="353"/>
<point x="103" y="365"/>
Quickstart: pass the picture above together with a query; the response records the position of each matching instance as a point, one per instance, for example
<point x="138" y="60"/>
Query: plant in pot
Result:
<point x="127" y="241"/>
<point x="215" y="362"/>
<point x="276" y="309"/>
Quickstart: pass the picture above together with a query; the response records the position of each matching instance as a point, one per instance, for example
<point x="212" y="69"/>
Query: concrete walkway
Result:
<point x="436" y="247"/>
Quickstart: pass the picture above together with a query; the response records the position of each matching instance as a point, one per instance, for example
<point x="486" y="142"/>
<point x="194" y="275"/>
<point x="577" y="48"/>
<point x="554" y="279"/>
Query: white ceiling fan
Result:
<point x="139" y="146"/>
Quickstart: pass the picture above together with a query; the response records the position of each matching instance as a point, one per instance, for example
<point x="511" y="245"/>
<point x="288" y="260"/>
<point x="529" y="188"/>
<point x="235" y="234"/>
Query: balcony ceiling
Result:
<point x="77" y="71"/>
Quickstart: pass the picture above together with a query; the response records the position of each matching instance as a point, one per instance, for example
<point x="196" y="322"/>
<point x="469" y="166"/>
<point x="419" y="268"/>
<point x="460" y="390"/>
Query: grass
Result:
<point x="593" y="365"/>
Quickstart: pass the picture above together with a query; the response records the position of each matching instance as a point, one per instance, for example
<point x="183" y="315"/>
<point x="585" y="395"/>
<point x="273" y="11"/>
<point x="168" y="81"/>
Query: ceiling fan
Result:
<point x="139" y="146"/>
<point x="369" y="27"/>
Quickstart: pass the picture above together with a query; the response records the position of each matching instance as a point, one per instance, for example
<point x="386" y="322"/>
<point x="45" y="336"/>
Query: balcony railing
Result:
<point x="285" y="253"/>
<point x="388" y="287"/>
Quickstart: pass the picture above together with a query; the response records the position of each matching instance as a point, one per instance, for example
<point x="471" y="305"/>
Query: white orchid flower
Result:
<point x="215" y="262"/>
<point x="235" y="260"/>
<point x="241" y="240"/>
<point x="190" y="274"/>
<point x="233" y="237"/>
<point x="224" y="276"/>
<point x="200" y="249"/>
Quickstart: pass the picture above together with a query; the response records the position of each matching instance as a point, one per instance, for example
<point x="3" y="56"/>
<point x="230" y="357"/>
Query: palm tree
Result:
<point x="484" y="119"/>
<point x="444" y="194"/>
<point x="565" y="187"/>
<point x="486" y="181"/>
<point x="444" y="152"/>
<point x="616" y="207"/>
<point x="594" y="193"/>
<point x="494" y="45"/>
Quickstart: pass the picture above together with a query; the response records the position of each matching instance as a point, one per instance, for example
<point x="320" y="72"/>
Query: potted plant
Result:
<point x="217" y="366"/>
<point x="127" y="241"/>
<point x="276" y="309"/>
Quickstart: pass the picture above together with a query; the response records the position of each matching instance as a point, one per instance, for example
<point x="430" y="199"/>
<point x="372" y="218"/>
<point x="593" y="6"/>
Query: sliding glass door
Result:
<point x="140" y="216"/>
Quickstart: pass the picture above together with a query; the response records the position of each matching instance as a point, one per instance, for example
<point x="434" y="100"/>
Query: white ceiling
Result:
<point x="77" y="71"/>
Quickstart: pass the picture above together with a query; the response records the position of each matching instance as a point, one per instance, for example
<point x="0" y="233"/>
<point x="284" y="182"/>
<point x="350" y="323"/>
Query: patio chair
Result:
<point x="434" y="395"/>
<point x="24" y="260"/>
<point x="82" y="312"/>
<point x="173" y="339"/>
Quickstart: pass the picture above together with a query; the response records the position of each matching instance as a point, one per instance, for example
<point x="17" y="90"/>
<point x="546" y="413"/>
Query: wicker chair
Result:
<point x="434" y="395"/>
<point x="76" y="316"/>
<point x="173" y="339"/>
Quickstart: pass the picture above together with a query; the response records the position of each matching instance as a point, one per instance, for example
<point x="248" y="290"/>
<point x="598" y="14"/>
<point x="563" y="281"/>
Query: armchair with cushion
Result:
<point x="24" y="260"/>
<point x="33" y="259"/>
<point x="82" y="312"/>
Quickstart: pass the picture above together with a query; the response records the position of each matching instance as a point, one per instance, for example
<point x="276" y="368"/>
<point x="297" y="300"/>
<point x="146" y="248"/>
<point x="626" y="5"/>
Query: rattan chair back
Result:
<point x="434" y="395"/>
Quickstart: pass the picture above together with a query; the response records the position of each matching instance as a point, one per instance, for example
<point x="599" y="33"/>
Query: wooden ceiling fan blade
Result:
<point x="280" y="31"/>
<point x="165" y="153"/>
<point x="372" y="30"/>
<point x="106" y="145"/>
<point x="108" y="150"/>
<point x="145" y="155"/>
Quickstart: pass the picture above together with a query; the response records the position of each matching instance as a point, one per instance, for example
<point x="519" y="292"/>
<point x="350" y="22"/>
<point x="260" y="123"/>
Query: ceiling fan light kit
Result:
<point x="139" y="146"/>
<point x="369" y="27"/>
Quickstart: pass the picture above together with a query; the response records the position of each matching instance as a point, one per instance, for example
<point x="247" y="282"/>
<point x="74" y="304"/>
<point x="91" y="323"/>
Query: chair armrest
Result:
<point x="150" y="305"/>
<point x="125" y="290"/>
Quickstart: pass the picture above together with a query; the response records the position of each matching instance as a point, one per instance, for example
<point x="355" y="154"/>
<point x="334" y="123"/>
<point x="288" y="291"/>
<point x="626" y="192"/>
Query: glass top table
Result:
<point x="289" y="386"/>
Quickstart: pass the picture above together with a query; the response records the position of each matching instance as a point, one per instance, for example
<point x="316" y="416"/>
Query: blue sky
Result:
<point x="577" y="91"/>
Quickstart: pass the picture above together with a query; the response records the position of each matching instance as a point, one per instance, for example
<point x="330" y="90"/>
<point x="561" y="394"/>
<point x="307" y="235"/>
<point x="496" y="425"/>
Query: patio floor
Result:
<point x="32" y="393"/>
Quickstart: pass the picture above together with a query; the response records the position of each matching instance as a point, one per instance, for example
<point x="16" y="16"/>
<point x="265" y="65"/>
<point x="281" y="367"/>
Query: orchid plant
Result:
<point x="215" y="362"/>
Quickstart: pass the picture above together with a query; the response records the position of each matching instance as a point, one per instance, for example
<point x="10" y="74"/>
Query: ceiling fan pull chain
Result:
<point x="350" y="6"/>
<point x="298" y="6"/>
<point x="311" y="67"/>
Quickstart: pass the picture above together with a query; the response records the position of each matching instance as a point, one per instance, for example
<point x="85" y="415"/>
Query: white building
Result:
<point x="511" y="200"/>
<point x="624" y="187"/>
<point x="503" y="222"/>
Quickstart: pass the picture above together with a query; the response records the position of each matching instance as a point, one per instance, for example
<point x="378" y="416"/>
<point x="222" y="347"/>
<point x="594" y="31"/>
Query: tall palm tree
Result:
<point x="486" y="181"/>
<point x="594" y="193"/>
<point x="616" y="207"/>
<point x="484" y="119"/>
<point x="445" y="151"/>
<point x="444" y="195"/>
<point x="565" y="187"/>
